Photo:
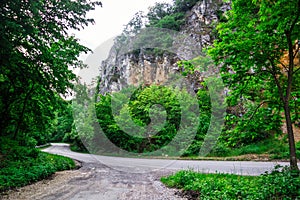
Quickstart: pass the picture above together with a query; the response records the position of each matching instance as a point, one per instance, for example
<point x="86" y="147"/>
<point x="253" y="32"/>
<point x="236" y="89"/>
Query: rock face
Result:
<point x="202" y="19"/>
<point x="121" y="70"/>
<point x="117" y="72"/>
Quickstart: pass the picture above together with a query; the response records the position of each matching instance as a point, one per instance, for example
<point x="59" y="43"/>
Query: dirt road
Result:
<point x="97" y="182"/>
<point x="111" y="178"/>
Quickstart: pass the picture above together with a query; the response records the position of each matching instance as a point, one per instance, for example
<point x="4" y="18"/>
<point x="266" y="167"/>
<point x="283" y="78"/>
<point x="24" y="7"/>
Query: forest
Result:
<point x="256" y="46"/>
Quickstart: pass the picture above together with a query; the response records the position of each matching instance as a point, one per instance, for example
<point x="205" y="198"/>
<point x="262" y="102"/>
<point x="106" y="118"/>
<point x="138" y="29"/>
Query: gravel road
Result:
<point x="97" y="182"/>
<point x="111" y="178"/>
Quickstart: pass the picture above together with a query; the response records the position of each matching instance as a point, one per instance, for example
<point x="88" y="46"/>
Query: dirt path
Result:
<point x="97" y="182"/>
<point x="123" y="178"/>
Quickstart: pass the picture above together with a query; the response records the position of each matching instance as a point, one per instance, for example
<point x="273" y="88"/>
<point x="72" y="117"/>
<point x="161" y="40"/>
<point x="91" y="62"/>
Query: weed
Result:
<point x="280" y="184"/>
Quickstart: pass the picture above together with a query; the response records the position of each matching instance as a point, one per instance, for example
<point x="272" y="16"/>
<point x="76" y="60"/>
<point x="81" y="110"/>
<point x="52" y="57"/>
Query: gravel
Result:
<point x="97" y="182"/>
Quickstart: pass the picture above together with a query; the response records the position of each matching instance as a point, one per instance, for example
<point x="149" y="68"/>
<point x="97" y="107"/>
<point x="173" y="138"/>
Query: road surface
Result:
<point x="139" y="165"/>
<point x="113" y="178"/>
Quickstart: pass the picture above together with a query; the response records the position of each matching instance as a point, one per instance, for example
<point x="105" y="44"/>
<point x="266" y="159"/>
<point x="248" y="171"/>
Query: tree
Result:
<point x="36" y="55"/>
<point x="135" y="24"/>
<point x="252" y="44"/>
<point x="184" y="5"/>
<point x="157" y="12"/>
<point x="62" y="124"/>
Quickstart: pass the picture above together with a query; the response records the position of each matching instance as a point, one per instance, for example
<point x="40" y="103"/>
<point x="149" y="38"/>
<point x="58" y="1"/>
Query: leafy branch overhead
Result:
<point x="37" y="55"/>
<point x="251" y="46"/>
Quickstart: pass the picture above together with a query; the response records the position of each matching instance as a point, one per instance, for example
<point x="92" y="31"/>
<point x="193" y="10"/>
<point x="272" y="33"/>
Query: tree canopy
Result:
<point x="37" y="55"/>
<point x="251" y="48"/>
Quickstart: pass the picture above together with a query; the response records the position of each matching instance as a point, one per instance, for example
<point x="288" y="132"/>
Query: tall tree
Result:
<point x="252" y="44"/>
<point x="36" y="55"/>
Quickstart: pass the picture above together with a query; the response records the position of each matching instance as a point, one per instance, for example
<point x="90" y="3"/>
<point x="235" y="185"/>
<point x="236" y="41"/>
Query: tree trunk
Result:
<point x="21" y="116"/>
<point x="286" y="101"/>
<point x="292" y="147"/>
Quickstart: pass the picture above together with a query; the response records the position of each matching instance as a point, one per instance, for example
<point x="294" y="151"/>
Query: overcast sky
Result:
<point x="110" y="20"/>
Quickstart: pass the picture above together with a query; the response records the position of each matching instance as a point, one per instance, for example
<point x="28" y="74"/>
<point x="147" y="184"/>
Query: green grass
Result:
<point x="276" y="185"/>
<point x="17" y="173"/>
<point x="266" y="146"/>
<point x="275" y="148"/>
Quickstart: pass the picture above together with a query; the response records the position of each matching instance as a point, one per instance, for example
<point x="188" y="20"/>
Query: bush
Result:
<point x="11" y="150"/>
<point x="220" y="150"/>
<point x="172" y="22"/>
<point x="252" y="127"/>
<point x="140" y="108"/>
<point x="280" y="184"/>
<point x="18" y="173"/>
<point x="283" y="152"/>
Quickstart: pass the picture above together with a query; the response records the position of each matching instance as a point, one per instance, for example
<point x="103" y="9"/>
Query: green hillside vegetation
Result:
<point x="253" y="118"/>
<point x="280" y="184"/>
<point x="258" y="51"/>
<point x="161" y="15"/>
<point x="251" y="48"/>
<point x="37" y="54"/>
<point x="22" y="165"/>
<point x="35" y="78"/>
<point x="140" y="109"/>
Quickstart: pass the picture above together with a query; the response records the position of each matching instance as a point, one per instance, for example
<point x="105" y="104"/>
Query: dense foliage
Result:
<point x="254" y="116"/>
<point x="23" y="172"/>
<point x="36" y="56"/>
<point x="23" y="164"/>
<point x="280" y="184"/>
<point x="257" y="51"/>
<point x="127" y="124"/>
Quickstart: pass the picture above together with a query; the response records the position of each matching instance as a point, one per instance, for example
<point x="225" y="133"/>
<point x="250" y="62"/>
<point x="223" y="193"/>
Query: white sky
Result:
<point x="109" y="23"/>
<point x="110" y="20"/>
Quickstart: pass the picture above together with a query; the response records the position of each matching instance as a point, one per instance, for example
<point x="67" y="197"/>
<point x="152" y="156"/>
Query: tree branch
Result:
<point x="273" y="72"/>
<point x="255" y="110"/>
<point x="296" y="19"/>
<point x="296" y="71"/>
<point x="21" y="116"/>
<point x="284" y="66"/>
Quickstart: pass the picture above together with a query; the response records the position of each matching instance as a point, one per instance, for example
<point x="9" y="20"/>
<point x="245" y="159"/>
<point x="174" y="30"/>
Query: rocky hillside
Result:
<point x="144" y="67"/>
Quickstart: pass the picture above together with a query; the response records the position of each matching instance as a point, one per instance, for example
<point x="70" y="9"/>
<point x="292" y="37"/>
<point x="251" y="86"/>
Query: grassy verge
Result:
<point x="17" y="173"/>
<point x="266" y="150"/>
<point x="270" y="149"/>
<point x="280" y="184"/>
<point x="269" y="146"/>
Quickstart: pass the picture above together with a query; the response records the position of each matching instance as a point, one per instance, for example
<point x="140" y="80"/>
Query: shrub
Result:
<point x="280" y="184"/>
<point x="11" y="150"/>
<point x="172" y="22"/>
<point x="18" y="173"/>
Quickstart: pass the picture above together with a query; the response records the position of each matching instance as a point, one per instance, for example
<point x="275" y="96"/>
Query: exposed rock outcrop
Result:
<point x="129" y="69"/>
<point x="121" y="70"/>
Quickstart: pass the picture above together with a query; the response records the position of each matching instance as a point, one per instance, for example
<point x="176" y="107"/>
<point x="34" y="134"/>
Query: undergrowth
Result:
<point x="279" y="184"/>
<point x="275" y="148"/>
<point x="21" y="172"/>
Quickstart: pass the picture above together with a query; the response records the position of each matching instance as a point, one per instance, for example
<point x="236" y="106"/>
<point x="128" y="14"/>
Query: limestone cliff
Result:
<point x="129" y="69"/>
<point x="121" y="70"/>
